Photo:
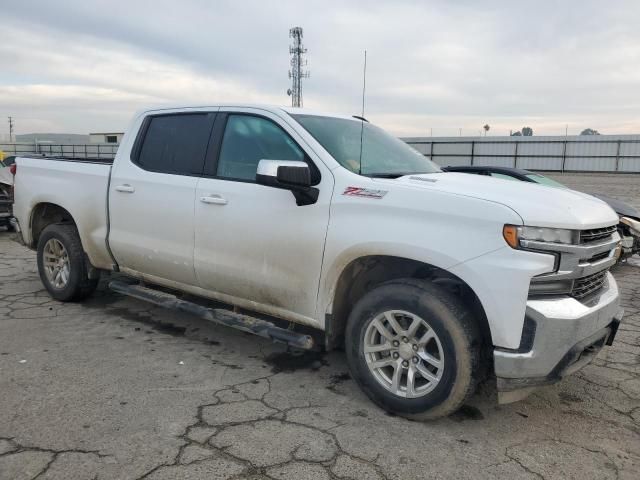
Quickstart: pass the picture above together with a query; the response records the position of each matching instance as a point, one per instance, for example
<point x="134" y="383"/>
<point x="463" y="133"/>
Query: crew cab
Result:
<point x="309" y="225"/>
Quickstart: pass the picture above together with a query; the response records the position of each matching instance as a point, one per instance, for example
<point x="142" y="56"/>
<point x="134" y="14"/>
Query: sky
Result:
<point x="433" y="67"/>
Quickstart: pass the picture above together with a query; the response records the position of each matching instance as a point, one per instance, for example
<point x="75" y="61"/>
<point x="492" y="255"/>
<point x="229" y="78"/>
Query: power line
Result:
<point x="296" y="74"/>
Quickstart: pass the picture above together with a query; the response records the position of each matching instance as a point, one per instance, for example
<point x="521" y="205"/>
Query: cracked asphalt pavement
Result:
<point x="116" y="388"/>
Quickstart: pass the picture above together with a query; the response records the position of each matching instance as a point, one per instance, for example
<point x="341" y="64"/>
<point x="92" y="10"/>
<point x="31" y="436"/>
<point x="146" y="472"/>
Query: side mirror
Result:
<point x="288" y="175"/>
<point x="283" y="174"/>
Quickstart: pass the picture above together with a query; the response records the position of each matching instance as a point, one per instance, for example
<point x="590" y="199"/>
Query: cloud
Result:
<point x="78" y="66"/>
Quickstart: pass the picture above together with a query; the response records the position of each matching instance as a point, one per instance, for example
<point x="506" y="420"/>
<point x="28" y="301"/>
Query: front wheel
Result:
<point x="413" y="348"/>
<point x="61" y="264"/>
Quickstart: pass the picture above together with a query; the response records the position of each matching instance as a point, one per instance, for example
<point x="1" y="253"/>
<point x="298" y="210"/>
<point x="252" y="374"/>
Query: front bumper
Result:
<point x="563" y="335"/>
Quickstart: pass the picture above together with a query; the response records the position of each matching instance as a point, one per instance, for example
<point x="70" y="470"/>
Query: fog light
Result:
<point x="553" y="287"/>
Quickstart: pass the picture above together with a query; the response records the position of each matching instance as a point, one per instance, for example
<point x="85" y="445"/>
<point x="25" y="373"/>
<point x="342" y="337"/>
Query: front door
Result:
<point x="253" y="245"/>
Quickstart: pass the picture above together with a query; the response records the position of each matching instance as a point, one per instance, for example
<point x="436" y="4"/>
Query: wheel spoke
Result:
<point x="56" y="278"/>
<point x="430" y="359"/>
<point x="426" y="337"/>
<point x="426" y="373"/>
<point x="382" y="329"/>
<point x="395" y="380"/>
<point x="411" y="378"/>
<point x="413" y="328"/>
<point x="391" y="318"/>
<point x="384" y="362"/>
<point x="384" y="347"/>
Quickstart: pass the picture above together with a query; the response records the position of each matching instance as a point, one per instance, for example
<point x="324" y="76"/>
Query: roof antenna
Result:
<point x="362" y="120"/>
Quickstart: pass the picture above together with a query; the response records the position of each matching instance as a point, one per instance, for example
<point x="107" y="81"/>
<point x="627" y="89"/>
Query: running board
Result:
<point x="221" y="316"/>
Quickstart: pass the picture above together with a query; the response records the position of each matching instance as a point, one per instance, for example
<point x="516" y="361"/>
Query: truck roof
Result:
<point x="271" y="108"/>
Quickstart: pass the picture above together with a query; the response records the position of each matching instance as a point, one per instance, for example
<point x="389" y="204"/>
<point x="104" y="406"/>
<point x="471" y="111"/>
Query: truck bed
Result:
<point x="78" y="185"/>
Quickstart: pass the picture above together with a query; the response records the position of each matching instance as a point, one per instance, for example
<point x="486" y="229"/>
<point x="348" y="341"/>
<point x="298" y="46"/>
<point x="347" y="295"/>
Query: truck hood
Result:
<point x="537" y="205"/>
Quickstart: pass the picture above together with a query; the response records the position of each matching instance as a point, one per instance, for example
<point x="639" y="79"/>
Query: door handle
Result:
<point x="214" y="200"/>
<point x="125" y="188"/>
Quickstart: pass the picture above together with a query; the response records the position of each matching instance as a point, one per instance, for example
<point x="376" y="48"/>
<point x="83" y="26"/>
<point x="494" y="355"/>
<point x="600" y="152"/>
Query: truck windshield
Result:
<point x="383" y="155"/>
<point x="541" y="179"/>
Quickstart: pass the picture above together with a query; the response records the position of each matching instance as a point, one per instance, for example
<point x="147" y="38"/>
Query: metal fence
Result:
<point x="603" y="153"/>
<point x="89" y="150"/>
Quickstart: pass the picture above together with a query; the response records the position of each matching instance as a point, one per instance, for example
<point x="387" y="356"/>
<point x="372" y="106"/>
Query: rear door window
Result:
<point x="176" y="144"/>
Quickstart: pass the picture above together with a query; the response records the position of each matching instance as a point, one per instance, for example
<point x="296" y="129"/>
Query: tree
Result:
<point x="589" y="131"/>
<point x="486" y="129"/>
<point x="517" y="133"/>
<point x="527" y="131"/>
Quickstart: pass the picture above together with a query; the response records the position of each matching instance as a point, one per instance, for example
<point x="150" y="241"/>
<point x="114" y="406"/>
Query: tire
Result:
<point x="455" y="347"/>
<point x="77" y="285"/>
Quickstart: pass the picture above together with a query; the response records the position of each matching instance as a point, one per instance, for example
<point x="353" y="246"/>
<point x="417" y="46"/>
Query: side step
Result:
<point x="224" y="317"/>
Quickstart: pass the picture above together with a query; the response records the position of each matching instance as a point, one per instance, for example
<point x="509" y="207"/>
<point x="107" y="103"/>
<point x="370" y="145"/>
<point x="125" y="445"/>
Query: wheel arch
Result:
<point x="44" y="214"/>
<point x="366" y="272"/>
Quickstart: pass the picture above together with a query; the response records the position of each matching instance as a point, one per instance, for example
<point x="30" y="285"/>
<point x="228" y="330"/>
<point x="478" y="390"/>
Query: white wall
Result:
<point x="593" y="153"/>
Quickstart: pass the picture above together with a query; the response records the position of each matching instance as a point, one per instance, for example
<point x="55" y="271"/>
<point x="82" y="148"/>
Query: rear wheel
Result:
<point x="413" y="348"/>
<point x="61" y="264"/>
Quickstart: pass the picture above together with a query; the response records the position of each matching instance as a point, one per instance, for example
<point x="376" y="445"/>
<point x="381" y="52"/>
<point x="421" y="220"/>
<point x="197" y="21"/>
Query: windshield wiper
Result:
<point x="392" y="175"/>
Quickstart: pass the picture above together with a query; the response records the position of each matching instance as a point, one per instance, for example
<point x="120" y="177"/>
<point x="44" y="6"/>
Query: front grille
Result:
<point x="585" y="286"/>
<point x="5" y="204"/>
<point x="595" y="234"/>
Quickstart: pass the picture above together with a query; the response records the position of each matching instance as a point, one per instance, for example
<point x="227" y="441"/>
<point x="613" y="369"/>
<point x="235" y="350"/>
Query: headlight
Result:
<point x="517" y="236"/>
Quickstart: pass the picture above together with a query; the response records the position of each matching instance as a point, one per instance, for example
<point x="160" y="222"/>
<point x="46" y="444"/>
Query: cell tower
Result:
<point x="296" y="74"/>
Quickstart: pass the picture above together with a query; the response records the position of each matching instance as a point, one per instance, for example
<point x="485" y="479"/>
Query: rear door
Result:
<point x="253" y="245"/>
<point x="151" y="196"/>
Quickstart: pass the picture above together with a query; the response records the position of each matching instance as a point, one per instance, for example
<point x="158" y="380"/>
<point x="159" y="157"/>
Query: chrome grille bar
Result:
<point x="583" y="287"/>
<point x="595" y="234"/>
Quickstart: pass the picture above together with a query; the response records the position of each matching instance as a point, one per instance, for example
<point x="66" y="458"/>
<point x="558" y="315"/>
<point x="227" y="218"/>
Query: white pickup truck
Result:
<point x="332" y="227"/>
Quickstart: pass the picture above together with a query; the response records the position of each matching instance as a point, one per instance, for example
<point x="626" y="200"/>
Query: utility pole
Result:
<point x="296" y="74"/>
<point x="10" y="129"/>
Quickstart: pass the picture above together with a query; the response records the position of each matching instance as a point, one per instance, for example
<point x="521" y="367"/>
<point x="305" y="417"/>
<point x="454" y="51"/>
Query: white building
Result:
<point x="109" y="137"/>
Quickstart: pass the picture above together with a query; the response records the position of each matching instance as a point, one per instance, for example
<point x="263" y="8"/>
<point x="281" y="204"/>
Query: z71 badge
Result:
<point x="364" y="192"/>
